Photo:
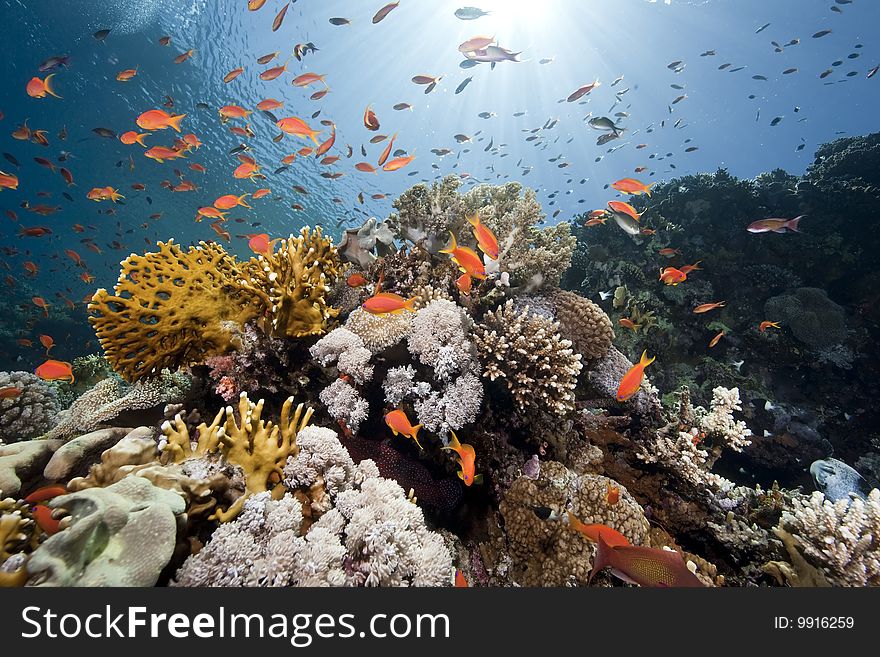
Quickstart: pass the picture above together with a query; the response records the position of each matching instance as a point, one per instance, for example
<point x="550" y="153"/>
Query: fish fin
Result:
<point x="47" y="87"/>
<point x="478" y="479"/>
<point x="600" y="559"/>
<point x="409" y="304"/>
<point x="174" y="121"/>
<point x="452" y="244"/>
<point x="140" y="139"/>
<point x="314" y="138"/>
<point x="648" y="189"/>
<point x="474" y="219"/>
<point x="644" y="361"/>
<point x="454" y="444"/>
<point x="242" y="203"/>
<point x="793" y="224"/>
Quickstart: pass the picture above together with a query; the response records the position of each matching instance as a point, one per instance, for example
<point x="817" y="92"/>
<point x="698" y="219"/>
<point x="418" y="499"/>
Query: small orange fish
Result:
<point x="48" y="342"/>
<point x="632" y="186"/>
<point x="233" y="112"/>
<point x="464" y="283"/>
<point x="305" y="151"/>
<point x="611" y="536"/>
<point x="466" y="460"/>
<point x="669" y="252"/>
<point x="247" y="170"/>
<point x="366" y="167"/>
<point x="623" y="208"/>
<point x="371" y="121"/>
<point x="218" y="228"/>
<point x="274" y="72"/>
<point x="715" y="340"/>
<point x="645" y="566"/>
<point x="625" y="322"/>
<point x="467" y="259"/>
<point x="180" y="59"/>
<point x="159" y="120"/>
<point x="55" y="370"/>
<point x="234" y="73"/>
<point x="260" y="243"/>
<point x="387" y="302"/>
<point x="632" y="380"/>
<point x="387" y="152"/>
<point x="210" y="212"/>
<point x="672" y="276"/>
<point x="98" y="194"/>
<point x="161" y="153"/>
<point x="192" y="141"/>
<point x="486" y="239"/>
<point x="327" y="145"/>
<point x="197" y="167"/>
<point x="460" y="581"/>
<point x="8" y="180"/>
<point x="612" y="494"/>
<point x="687" y="269"/>
<point x="38" y="88"/>
<point x="260" y="193"/>
<point x="763" y="326"/>
<point x="398" y="163"/>
<point x="298" y="128"/>
<point x="131" y="137"/>
<point x="399" y="424"/>
<point x="269" y="105"/>
<point x="230" y="201"/>
<point x="306" y="79"/>
<point x="45" y="493"/>
<point x="126" y="75"/>
<point x="42" y="514"/>
<point x="356" y="280"/>
<point x="73" y="255"/>
<point x="10" y="392"/>
<point x="86" y="277"/>
<point x="706" y="307"/>
<point x="597" y="221"/>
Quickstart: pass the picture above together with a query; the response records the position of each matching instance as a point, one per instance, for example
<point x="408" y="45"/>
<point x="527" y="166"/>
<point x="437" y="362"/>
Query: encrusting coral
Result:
<point x="260" y="448"/>
<point x="538" y="366"/>
<point x="29" y="413"/>
<point x="171" y="308"/>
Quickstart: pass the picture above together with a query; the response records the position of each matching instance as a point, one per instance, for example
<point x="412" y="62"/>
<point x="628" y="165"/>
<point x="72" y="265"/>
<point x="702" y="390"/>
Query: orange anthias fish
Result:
<point x="387" y="152"/>
<point x="181" y="58"/>
<point x="260" y="243"/>
<point x="399" y="423"/>
<point x="464" y="283"/>
<point x="233" y="112"/>
<point x="467" y="259"/>
<point x="371" y="121"/>
<point x="672" y="276"/>
<point x="8" y="180"/>
<point x="269" y="105"/>
<point x="38" y="88"/>
<point x="384" y="303"/>
<point x="210" y="212"/>
<point x="775" y="225"/>
<point x="626" y="322"/>
<point x="366" y="167"/>
<point x="159" y="120"/>
<point x="398" y="163"/>
<point x="624" y="208"/>
<point x="45" y="493"/>
<point x="611" y="536"/>
<point x="356" y="280"/>
<point x="230" y="201"/>
<point x="715" y="340"/>
<point x="612" y="494"/>
<point x="632" y="186"/>
<point x="763" y="326"/>
<point x="298" y="128"/>
<point x="192" y="141"/>
<point x="632" y="380"/>
<point x="55" y="370"/>
<point x="706" y="307"/>
<point x="669" y="252"/>
<point x="466" y="459"/>
<point x="48" y="342"/>
<point x="687" y="269"/>
<point x="10" y="392"/>
<point x="260" y="193"/>
<point x="306" y="79"/>
<point x="643" y="565"/>
<point x="162" y="153"/>
<point x="126" y="75"/>
<point x="98" y="194"/>
<point x="42" y="514"/>
<point x="327" y="145"/>
<point x="234" y="73"/>
<point x="131" y="137"/>
<point x="247" y="170"/>
<point x="486" y="239"/>
<point x="460" y="581"/>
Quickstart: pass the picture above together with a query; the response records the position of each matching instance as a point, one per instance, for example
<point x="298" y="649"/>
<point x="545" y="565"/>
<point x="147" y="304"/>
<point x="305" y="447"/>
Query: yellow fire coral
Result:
<point x="292" y="282"/>
<point x="171" y="308"/>
<point x="260" y="448"/>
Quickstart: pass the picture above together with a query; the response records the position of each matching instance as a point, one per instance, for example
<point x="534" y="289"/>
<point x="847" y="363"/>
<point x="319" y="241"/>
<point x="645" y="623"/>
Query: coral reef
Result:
<point x="31" y="408"/>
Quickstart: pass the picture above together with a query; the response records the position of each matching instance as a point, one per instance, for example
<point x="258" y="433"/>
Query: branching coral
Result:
<point x="292" y="282"/>
<point x="171" y="308"/>
<point x="347" y="351"/>
<point x="718" y="422"/>
<point x="538" y="366"/>
<point x="29" y="413"/>
<point x="345" y="403"/>
<point x="439" y="338"/>
<point x="842" y="537"/>
<point x="368" y="533"/>
<point x="260" y="448"/>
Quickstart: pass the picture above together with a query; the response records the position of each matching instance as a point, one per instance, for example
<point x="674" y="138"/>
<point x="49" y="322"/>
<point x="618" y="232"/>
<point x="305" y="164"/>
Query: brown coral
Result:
<point x="583" y="322"/>
<point x="293" y="282"/>
<point x="171" y="308"/>
<point x="260" y="448"/>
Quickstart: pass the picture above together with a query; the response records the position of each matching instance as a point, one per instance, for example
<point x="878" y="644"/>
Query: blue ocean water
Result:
<point x="529" y="133"/>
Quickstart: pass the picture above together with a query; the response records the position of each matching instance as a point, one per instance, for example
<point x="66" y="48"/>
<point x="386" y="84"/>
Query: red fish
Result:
<point x="398" y="163"/>
<point x="460" y="581"/>
<point x="611" y="536"/>
<point x="644" y="566"/>
<point x="371" y="121"/>
<point x="715" y="340"/>
<point x="297" y="127"/>
<point x="632" y="186"/>
<point x="159" y="120"/>
<point x="467" y="259"/>
<point x="55" y="370"/>
<point x="612" y="494"/>
<point x="48" y="342"/>
<point x="775" y="225"/>
<point x="632" y="380"/>
<point x="38" y="88"/>
<point x="356" y="280"/>
<point x="388" y="302"/>
<point x="672" y="276"/>
<point x="763" y="326"/>
<point x="486" y="239"/>
<point x="706" y="307"/>
<point x="260" y="243"/>
<point x="464" y="283"/>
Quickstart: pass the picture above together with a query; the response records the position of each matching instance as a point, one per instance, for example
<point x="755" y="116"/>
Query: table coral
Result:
<point x="260" y="448"/>
<point x="171" y="308"/>
<point x="538" y="366"/>
<point x="292" y="283"/>
<point x="30" y="413"/>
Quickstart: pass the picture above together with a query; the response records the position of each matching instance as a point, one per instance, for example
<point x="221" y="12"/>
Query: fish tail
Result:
<point x="793" y="224"/>
<point x="644" y="361"/>
<point x="140" y="139"/>
<point x="452" y="244"/>
<point x="174" y="121"/>
<point x="648" y="189"/>
<point x="313" y="137"/>
<point x="48" y="87"/>
<point x="241" y="201"/>
<point x="474" y="219"/>
<point x="415" y="436"/>
<point x="601" y="558"/>
<point x="454" y="444"/>
<point x="409" y="304"/>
